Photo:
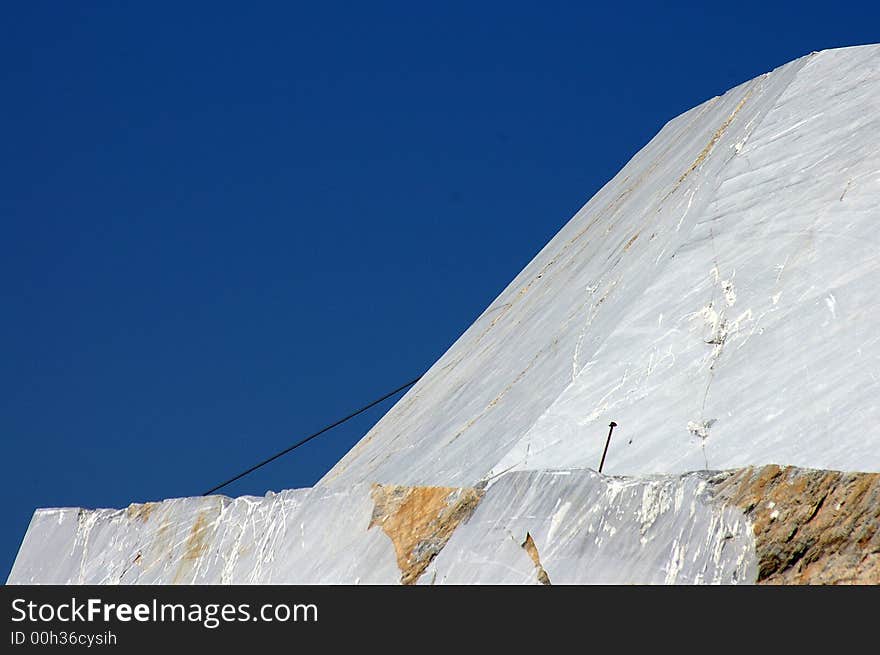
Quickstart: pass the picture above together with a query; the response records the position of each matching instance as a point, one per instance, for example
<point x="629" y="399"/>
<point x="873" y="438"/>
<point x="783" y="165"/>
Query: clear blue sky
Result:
<point x="225" y="225"/>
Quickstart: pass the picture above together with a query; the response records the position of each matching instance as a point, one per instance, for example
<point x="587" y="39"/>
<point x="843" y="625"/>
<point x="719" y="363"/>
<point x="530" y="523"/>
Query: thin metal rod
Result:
<point x="611" y="425"/>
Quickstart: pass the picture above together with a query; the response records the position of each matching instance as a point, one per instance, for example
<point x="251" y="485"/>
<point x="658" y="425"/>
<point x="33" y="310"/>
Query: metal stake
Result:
<point x="611" y="425"/>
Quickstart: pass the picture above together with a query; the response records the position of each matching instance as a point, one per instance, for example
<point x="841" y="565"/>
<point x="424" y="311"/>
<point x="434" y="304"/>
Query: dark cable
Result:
<point x="312" y="436"/>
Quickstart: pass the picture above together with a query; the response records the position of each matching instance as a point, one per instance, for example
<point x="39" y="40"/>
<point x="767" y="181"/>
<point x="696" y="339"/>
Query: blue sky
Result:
<point x="225" y="225"/>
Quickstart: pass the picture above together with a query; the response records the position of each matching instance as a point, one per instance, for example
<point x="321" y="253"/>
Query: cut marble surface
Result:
<point x="593" y="529"/>
<point x="587" y="527"/>
<point x="758" y="524"/>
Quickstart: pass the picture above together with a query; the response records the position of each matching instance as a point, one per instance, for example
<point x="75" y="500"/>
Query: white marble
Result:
<point x="588" y="528"/>
<point x="594" y="529"/>
<point x="298" y="536"/>
<point x="717" y="299"/>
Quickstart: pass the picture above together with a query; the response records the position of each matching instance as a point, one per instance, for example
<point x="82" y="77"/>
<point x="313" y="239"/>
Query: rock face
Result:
<point x="790" y="526"/>
<point x="580" y="527"/>
<point x="419" y="521"/>
<point x="716" y="299"/>
<point x="810" y="527"/>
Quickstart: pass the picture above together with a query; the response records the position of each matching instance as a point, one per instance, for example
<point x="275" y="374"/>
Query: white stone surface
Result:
<point x="295" y="537"/>
<point x="593" y="529"/>
<point x="588" y="528"/>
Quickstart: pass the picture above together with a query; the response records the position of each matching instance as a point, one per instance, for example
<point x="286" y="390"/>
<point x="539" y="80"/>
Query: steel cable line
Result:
<point x="312" y="436"/>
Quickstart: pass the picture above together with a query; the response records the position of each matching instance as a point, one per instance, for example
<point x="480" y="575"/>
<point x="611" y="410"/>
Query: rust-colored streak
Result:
<point x="811" y="527"/>
<point x="419" y="521"/>
<point x="529" y="546"/>
<point x="711" y="145"/>
<point x="196" y="542"/>
<point x="196" y="546"/>
<point x="140" y="511"/>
